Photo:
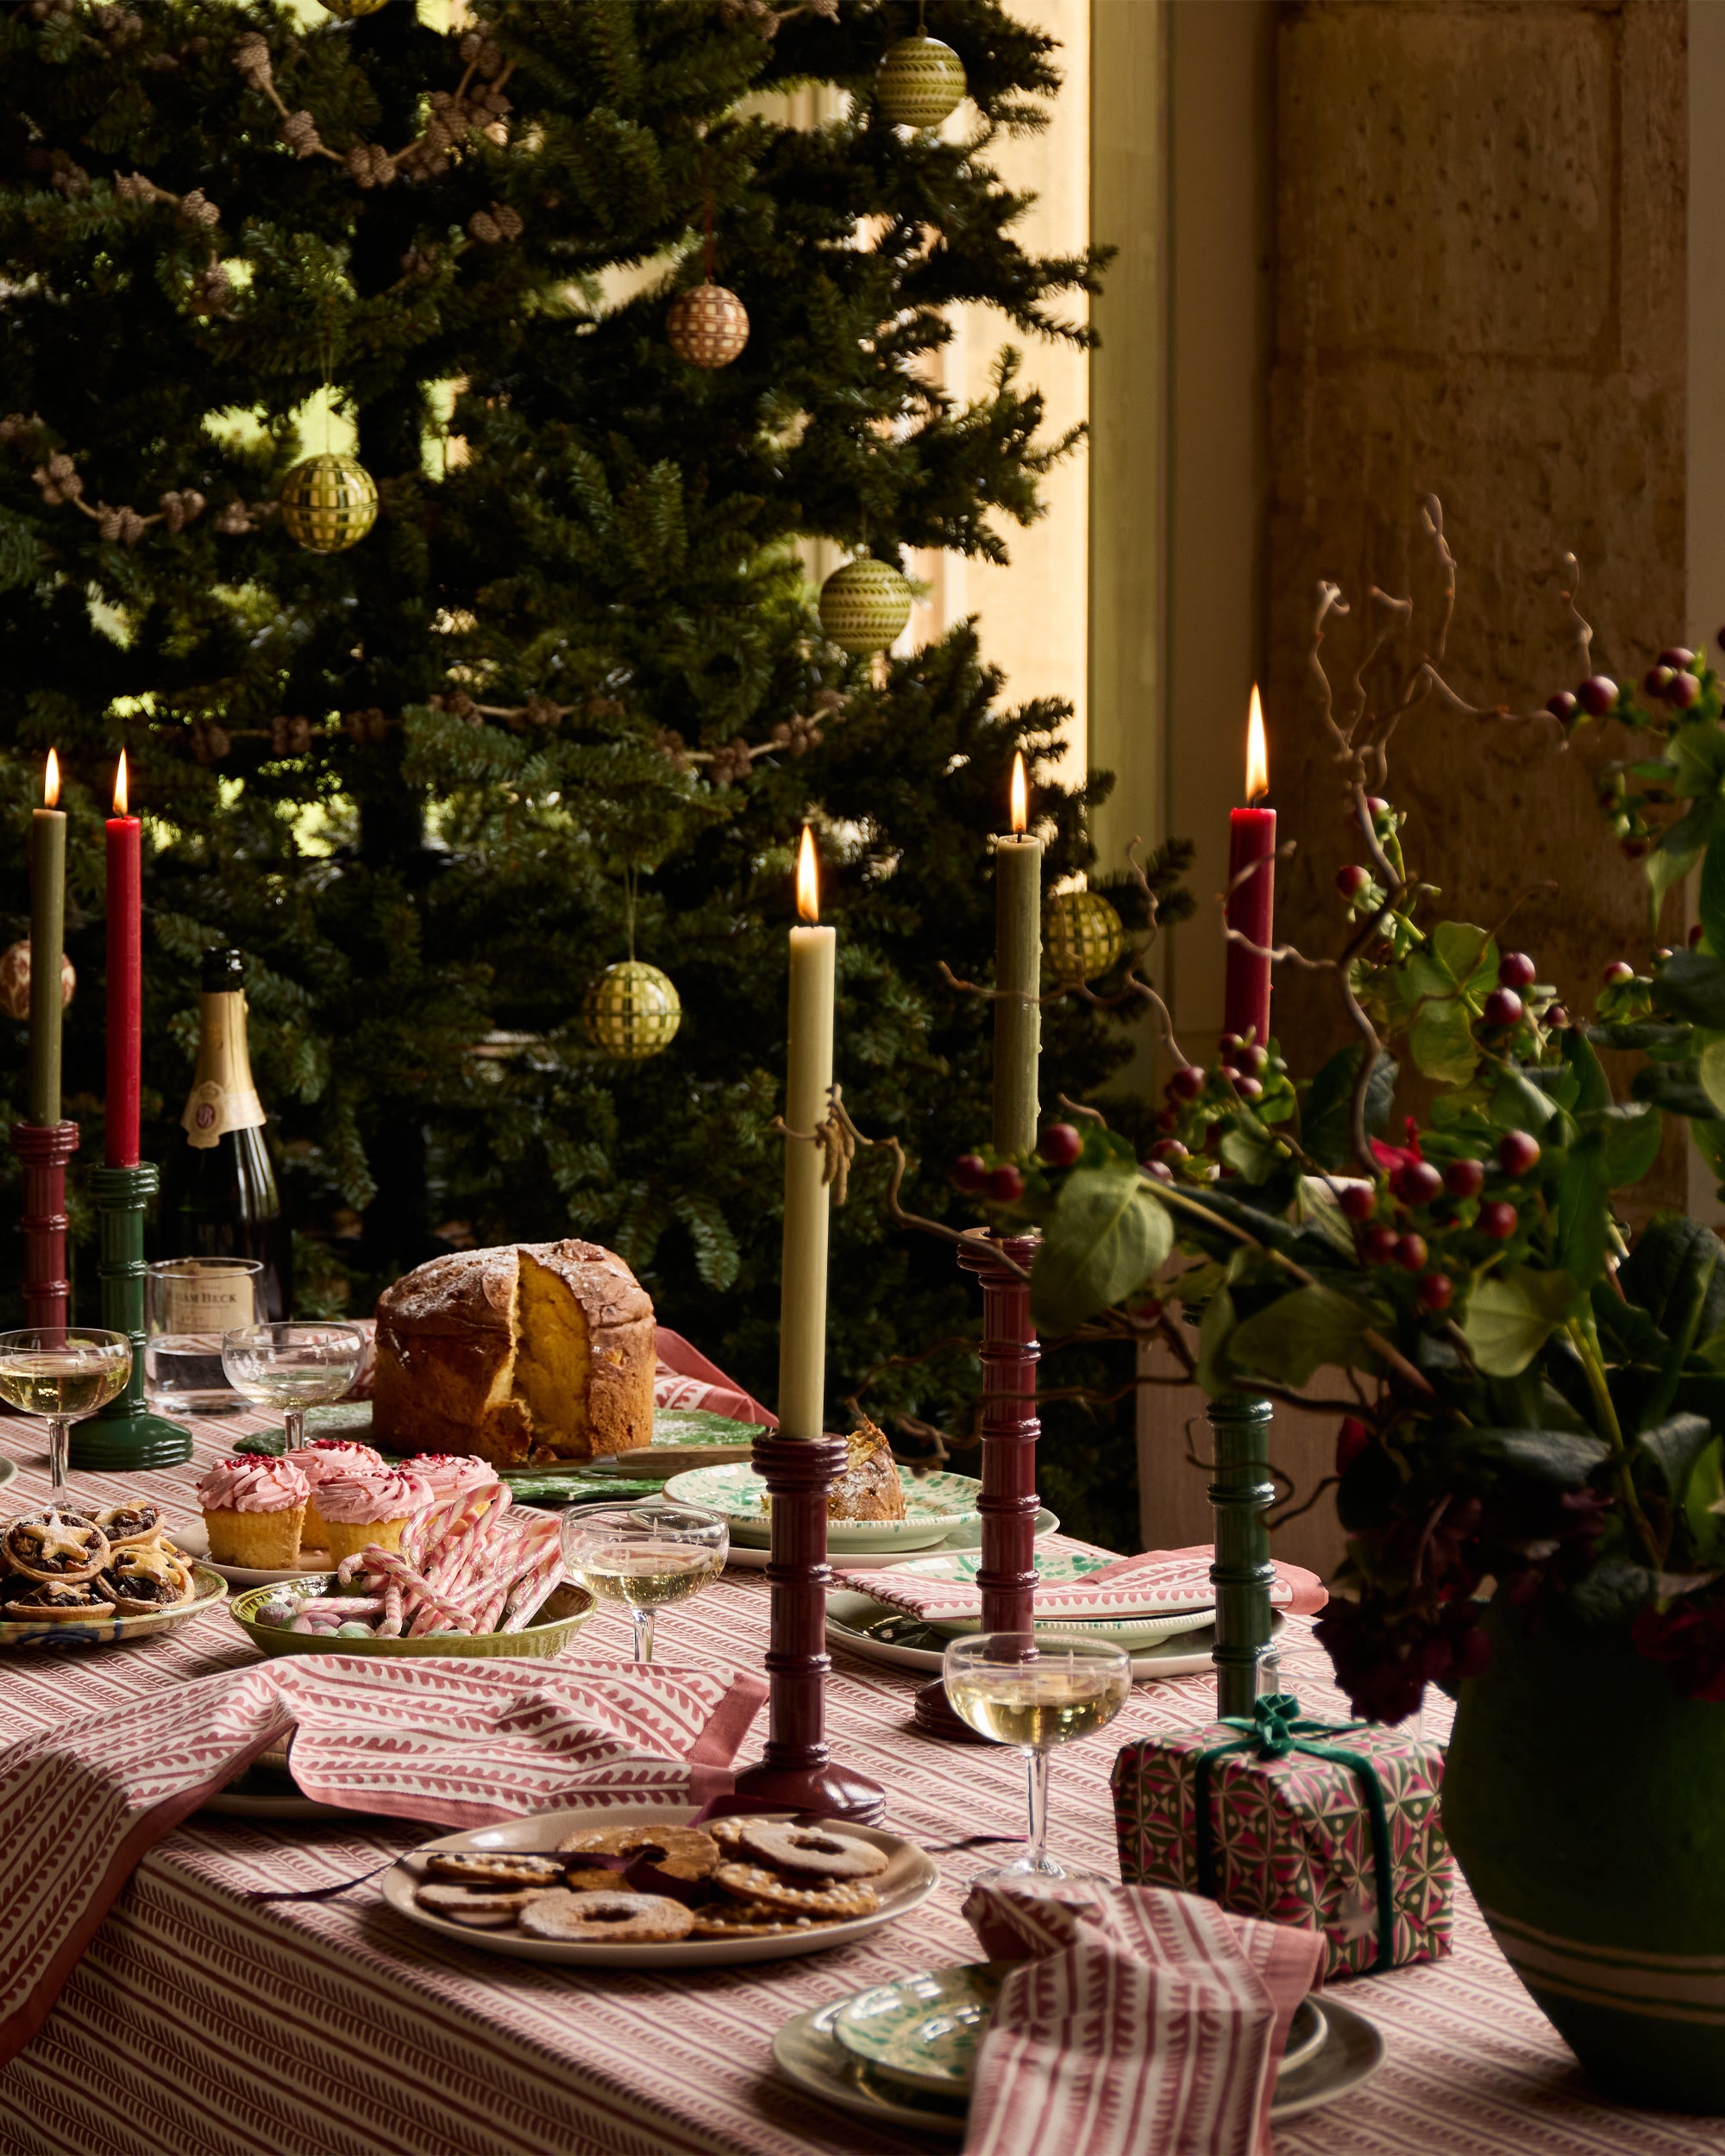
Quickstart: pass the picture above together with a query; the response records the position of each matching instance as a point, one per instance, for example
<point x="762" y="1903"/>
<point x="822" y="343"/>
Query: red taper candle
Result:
<point x="1251" y="894"/>
<point x="125" y="979"/>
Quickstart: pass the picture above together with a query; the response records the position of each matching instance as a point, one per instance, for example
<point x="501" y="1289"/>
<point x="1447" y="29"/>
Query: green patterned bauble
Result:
<point x="1084" y="936"/>
<point x="864" y="605"/>
<point x="919" y="82"/>
<point x="632" y="1011"/>
<point x="328" y="502"/>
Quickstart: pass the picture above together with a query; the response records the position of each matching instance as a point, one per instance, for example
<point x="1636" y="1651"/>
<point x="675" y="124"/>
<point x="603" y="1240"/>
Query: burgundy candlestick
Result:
<point x="796" y="1771"/>
<point x="45" y="1149"/>
<point x="1009" y="1503"/>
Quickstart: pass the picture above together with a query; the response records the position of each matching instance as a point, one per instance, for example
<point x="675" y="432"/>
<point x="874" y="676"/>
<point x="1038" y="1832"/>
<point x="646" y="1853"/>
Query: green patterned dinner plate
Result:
<point x="923" y="2030"/>
<point x="934" y="1506"/>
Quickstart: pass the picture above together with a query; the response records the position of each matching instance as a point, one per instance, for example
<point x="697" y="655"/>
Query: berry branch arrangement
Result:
<point x="1534" y="1398"/>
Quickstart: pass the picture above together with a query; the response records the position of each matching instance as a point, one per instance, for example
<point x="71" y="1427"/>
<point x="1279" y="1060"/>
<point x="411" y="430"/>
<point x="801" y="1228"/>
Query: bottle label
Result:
<point x="212" y="1299"/>
<point x="222" y="1097"/>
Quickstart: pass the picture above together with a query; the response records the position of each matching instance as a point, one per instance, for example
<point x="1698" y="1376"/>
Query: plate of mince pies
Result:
<point x="661" y="1888"/>
<point x="71" y="1574"/>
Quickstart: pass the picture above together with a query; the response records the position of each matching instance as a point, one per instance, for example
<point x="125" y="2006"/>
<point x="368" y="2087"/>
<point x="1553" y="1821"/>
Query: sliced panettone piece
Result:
<point x="870" y="1488"/>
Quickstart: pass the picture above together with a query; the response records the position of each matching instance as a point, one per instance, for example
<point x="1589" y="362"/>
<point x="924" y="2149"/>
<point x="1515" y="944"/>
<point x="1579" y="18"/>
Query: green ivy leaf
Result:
<point x="1709" y="1070"/>
<point x="1215" y="1335"/>
<point x="1441" y="1043"/>
<point x="1675" y="1445"/>
<point x="1562" y="1458"/>
<point x="1510" y="1316"/>
<point x="1691" y="985"/>
<point x="1674" y="1260"/>
<point x="1324" y="1114"/>
<point x="1703" y="1504"/>
<point x="1105" y="1237"/>
<point x="1298" y="1333"/>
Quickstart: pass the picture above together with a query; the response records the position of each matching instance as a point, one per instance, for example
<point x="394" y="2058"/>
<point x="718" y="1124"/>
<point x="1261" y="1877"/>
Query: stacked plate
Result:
<point x="936" y="1506"/>
<point x="904" y="2053"/>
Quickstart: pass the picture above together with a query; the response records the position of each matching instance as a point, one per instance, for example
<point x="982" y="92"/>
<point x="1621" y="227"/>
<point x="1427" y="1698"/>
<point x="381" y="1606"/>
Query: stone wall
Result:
<point x="1480" y="270"/>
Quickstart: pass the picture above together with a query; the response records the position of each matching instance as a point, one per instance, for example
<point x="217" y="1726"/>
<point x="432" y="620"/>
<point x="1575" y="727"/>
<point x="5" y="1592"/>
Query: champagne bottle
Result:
<point x="221" y="1197"/>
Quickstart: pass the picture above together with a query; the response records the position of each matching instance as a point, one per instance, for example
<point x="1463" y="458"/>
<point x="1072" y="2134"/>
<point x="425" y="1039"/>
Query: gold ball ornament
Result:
<point x="1084" y="936"/>
<point x="15" y="981"/>
<point x="351" y="11"/>
<point x="864" y="605"/>
<point x="706" y="325"/>
<point x="328" y="502"/>
<point x="632" y="1012"/>
<point x="919" y="82"/>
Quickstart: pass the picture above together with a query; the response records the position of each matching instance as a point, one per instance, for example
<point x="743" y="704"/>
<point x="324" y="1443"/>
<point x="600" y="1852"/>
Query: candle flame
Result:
<point x="1257" y="752"/>
<point x="120" y="796"/>
<point x="1021" y="794"/>
<point x="51" y="781"/>
<point x="808" y="882"/>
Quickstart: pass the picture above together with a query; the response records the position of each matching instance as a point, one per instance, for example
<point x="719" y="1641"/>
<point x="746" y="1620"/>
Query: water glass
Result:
<point x="1036" y="1691"/>
<point x="62" y="1373"/>
<point x="291" y="1367"/>
<point x="189" y="1303"/>
<point x="644" y="1556"/>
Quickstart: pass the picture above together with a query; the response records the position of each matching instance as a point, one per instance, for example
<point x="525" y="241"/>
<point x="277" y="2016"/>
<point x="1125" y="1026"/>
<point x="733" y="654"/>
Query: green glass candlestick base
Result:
<point x="1242" y="1572"/>
<point x="125" y="1437"/>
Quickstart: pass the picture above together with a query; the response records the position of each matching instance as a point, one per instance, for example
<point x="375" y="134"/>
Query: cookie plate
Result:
<point x="910" y="1877"/>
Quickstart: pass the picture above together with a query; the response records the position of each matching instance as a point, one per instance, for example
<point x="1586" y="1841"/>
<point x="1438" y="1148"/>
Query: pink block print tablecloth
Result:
<point x="205" y="2023"/>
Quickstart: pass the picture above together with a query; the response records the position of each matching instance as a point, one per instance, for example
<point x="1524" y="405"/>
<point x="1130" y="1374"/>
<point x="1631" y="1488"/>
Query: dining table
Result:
<point x="204" y="2020"/>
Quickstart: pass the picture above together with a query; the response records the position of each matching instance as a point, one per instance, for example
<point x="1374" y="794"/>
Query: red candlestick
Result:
<point x="1252" y="896"/>
<point x="125" y="980"/>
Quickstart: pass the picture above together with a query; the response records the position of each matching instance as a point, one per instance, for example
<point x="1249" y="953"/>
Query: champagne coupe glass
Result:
<point x="62" y="1373"/>
<point x="292" y="1367"/>
<point x="1036" y="1691"/>
<point x="645" y="1555"/>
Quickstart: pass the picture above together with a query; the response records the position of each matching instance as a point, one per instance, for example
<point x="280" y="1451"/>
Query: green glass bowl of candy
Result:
<point x="266" y="1615"/>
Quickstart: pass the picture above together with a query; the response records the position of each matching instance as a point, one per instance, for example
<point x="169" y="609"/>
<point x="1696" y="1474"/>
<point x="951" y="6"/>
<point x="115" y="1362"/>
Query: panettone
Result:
<point x="534" y="1351"/>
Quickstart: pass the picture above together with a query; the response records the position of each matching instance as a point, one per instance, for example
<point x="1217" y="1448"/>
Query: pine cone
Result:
<point x="731" y="763"/>
<point x="508" y="221"/>
<point x="197" y="209"/>
<point x="210" y="743"/>
<point x="541" y="711"/>
<point x="797" y="736"/>
<point x="212" y="291"/>
<point x="460" y="705"/>
<point x="180" y="508"/>
<point x="299" y="131"/>
<point x="58" y="479"/>
<point x="118" y="25"/>
<point x="16" y="425"/>
<point x="66" y="177"/>
<point x="371" y="164"/>
<point x="419" y="262"/>
<point x="484" y="228"/>
<point x="290" y="737"/>
<point x="134" y="187"/>
<point x="251" y="56"/>
<point x="234" y="520"/>
<point x="42" y="10"/>
<point x="672" y="746"/>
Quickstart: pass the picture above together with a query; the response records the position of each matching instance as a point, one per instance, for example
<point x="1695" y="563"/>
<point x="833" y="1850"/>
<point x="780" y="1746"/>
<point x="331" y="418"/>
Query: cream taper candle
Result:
<point x="808" y="1082"/>
<point x="1018" y="976"/>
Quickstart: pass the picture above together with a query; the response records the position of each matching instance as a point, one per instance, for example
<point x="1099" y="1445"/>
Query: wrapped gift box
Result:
<point x="1300" y="1814"/>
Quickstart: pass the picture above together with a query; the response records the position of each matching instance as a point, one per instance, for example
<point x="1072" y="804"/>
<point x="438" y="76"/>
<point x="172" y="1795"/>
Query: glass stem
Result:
<point x="59" y="1452"/>
<point x="1037" y="1854"/>
<point x="293" y="1422"/>
<point x="643" y="1634"/>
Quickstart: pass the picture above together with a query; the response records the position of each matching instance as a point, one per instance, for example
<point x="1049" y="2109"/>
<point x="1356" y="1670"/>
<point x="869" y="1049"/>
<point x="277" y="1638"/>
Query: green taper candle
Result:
<point x="47" y="942"/>
<point x="808" y="1084"/>
<point x="1018" y="976"/>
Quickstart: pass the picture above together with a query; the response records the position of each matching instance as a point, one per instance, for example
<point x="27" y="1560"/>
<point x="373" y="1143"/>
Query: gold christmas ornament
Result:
<point x="632" y="1011"/>
<point x="1084" y="936"/>
<point x="15" y="981"/>
<point x="919" y="82"/>
<point x="707" y="325"/>
<point x="351" y="11"/>
<point x="328" y="502"/>
<point x="864" y="605"/>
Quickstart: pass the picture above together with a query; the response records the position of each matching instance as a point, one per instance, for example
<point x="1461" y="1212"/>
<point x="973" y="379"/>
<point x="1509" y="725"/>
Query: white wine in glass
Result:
<point x="291" y="1367"/>
<point x="1035" y="1692"/>
<point x="645" y="1555"/>
<point x="62" y="1373"/>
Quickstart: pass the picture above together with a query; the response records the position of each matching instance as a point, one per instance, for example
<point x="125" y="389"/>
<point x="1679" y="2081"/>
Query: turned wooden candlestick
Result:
<point x="45" y="1149"/>
<point x="796" y="1771"/>
<point x="1009" y="1503"/>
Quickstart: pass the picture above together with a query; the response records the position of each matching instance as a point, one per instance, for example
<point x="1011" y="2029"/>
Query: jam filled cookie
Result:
<point x="687" y="1852"/>
<point x="452" y="1897"/>
<point x="751" y="1920"/>
<point x="808" y="1853"/>
<point x="497" y="1867"/>
<point x="638" y="1919"/>
<point x="842" y="1898"/>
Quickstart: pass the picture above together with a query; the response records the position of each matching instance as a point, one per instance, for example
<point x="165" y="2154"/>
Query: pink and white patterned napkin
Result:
<point x="1154" y="1583"/>
<point x="1139" y="2021"/>
<point x="685" y="1378"/>
<point x="458" y="1742"/>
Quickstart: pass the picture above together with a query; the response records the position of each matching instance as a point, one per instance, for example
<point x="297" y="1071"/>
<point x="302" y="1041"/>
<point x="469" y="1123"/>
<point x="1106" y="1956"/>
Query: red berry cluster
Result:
<point x="1002" y="1182"/>
<point x="1426" y="1200"/>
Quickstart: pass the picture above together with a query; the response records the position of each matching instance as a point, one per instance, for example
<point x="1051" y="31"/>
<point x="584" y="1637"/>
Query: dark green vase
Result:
<point x="1586" y="1803"/>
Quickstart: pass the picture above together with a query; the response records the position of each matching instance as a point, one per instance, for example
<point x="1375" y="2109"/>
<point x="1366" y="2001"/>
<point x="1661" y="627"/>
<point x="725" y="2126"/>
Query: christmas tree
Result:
<point x="567" y="699"/>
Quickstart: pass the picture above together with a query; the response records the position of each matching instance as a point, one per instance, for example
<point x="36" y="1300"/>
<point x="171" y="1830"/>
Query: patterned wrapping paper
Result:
<point x="1292" y="1837"/>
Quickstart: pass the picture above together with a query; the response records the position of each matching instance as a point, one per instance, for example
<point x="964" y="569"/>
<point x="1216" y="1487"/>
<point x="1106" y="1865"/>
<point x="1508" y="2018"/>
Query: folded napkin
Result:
<point x="686" y="1379"/>
<point x="1141" y="2022"/>
<point x="1155" y="1583"/>
<point x="458" y="1742"/>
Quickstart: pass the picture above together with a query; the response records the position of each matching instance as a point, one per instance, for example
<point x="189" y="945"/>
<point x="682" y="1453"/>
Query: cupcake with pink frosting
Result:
<point x="361" y="1510"/>
<point x="451" y="1474"/>
<point x="330" y="1460"/>
<point x="254" y="1509"/>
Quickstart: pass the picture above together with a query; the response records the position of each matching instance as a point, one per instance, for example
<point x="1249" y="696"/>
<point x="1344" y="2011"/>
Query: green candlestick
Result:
<point x="125" y="1437"/>
<point x="1242" y="1572"/>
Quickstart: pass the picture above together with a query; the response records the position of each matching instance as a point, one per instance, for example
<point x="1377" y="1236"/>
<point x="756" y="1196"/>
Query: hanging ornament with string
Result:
<point x="707" y="326"/>
<point x="329" y="501"/>
<point x="864" y="605"/>
<point x="351" y="11"/>
<point x="919" y="80"/>
<point x="632" y="1011"/>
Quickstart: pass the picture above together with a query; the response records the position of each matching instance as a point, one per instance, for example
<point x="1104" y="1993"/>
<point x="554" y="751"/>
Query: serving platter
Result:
<point x="210" y="1592"/>
<point x="910" y="1877"/>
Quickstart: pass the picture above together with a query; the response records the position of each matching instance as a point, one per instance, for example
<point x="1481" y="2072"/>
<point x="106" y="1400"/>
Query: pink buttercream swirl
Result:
<point x="252" y="1483"/>
<point x="449" y="1472"/>
<point x="332" y="1460"/>
<point x="357" y="1500"/>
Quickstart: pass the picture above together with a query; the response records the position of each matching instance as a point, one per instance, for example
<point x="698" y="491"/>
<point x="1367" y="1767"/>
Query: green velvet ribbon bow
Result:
<point x="1277" y="1727"/>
